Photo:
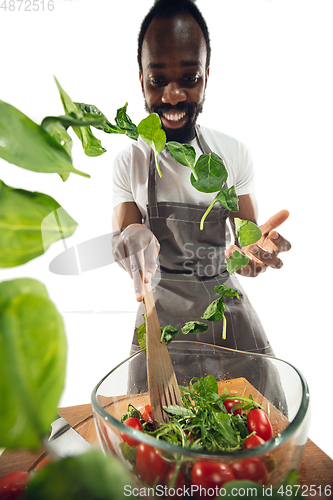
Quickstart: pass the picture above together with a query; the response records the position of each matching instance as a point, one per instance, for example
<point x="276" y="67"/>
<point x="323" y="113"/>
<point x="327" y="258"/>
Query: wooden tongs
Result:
<point x="162" y="382"/>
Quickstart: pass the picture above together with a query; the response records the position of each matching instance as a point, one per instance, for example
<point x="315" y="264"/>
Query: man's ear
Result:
<point x="141" y="80"/>
<point x="207" y="76"/>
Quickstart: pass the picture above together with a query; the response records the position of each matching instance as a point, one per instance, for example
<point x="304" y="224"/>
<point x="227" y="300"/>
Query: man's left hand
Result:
<point x="264" y="253"/>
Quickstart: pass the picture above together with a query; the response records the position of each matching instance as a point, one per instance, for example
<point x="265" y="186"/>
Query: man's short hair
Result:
<point x="167" y="9"/>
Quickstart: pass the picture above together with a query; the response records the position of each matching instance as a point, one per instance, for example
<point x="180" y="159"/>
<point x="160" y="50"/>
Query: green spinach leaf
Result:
<point x="141" y="334"/>
<point x="215" y="310"/>
<point x="29" y="224"/>
<point x="91" y="145"/>
<point x="151" y="132"/>
<point x="228" y="199"/>
<point x="247" y="232"/>
<point x="226" y="291"/>
<point x="183" y="154"/>
<point x="30" y="146"/>
<point x="211" y="173"/>
<point x="168" y="333"/>
<point x="32" y="362"/>
<point x="194" y="327"/>
<point x="88" y="476"/>
<point x="236" y="261"/>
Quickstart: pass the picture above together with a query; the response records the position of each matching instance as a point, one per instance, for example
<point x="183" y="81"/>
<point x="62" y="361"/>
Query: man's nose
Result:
<point x="173" y="94"/>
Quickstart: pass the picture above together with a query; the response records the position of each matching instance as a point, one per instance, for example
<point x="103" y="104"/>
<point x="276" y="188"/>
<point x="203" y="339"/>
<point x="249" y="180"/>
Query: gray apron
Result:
<point x="191" y="264"/>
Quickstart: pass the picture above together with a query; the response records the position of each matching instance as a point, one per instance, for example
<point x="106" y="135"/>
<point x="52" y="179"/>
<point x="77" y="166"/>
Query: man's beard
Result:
<point x="185" y="133"/>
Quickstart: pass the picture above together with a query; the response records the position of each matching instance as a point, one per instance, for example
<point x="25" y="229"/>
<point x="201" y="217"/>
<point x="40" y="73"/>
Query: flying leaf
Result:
<point x="183" y="154"/>
<point x="215" y="310"/>
<point x="236" y="261"/>
<point x="29" y="146"/>
<point x="125" y="124"/>
<point x="247" y="232"/>
<point x="194" y="327"/>
<point x="32" y="363"/>
<point x="91" y="145"/>
<point x="168" y="333"/>
<point x="22" y="215"/>
<point x="226" y="291"/>
<point x="151" y="132"/>
<point x="227" y="198"/>
<point x="211" y="173"/>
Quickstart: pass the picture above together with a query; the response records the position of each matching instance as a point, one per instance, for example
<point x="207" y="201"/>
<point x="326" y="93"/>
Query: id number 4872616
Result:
<point x="26" y="5"/>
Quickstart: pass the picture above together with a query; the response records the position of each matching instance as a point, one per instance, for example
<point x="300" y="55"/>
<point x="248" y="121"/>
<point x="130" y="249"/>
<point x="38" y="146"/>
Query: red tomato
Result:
<point x="258" y="422"/>
<point x="43" y="463"/>
<point x="147" y="414"/>
<point x="13" y="485"/>
<point x="208" y="477"/>
<point x="253" y="441"/>
<point x="135" y="424"/>
<point x="229" y="403"/>
<point x="150" y="464"/>
<point x="252" y="469"/>
<point x="180" y="484"/>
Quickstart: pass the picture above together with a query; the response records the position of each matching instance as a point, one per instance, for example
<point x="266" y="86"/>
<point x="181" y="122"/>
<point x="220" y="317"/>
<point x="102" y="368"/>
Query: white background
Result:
<point x="270" y="86"/>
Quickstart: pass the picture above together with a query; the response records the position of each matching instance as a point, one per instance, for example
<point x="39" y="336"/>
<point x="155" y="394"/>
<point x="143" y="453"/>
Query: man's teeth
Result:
<point x="174" y="117"/>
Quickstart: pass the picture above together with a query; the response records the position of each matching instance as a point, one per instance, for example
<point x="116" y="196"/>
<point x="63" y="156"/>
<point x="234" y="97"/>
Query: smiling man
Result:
<point x="158" y="218"/>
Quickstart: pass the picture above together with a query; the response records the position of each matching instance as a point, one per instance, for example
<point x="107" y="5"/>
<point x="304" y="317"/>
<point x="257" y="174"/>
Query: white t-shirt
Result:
<point x="131" y="167"/>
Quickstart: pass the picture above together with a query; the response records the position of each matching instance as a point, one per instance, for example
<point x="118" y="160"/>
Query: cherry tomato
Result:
<point x="258" y="422"/>
<point x="147" y="414"/>
<point x="150" y="464"/>
<point x="253" y="441"/>
<point x="210" y="476"/>
<point x="135" y="424"/>
<point x="13" y="485"/>
<point x="252" y="469"/>
<point x="179" y="485"/>
<point x="46" y="460"/>
<point x="229" y="403"/>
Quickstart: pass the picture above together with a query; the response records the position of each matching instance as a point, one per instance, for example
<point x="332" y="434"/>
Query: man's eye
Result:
<point x="157" y="81"/>
<point x="192" y="79"/>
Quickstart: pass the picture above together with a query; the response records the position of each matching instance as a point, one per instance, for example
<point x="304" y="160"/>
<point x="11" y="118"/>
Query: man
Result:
<point x="159" y="218"/>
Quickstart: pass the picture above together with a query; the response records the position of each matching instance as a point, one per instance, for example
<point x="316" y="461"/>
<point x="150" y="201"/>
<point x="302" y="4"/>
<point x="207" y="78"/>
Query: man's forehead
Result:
<point x="180" y="36"/>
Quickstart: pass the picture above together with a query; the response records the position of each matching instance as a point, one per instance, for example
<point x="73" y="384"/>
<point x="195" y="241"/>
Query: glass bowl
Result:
<point x="275" y="384"/>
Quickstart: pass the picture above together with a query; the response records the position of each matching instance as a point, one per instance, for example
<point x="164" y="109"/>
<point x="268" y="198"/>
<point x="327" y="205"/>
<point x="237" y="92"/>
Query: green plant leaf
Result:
<point x="226" y="291"/>
<point x="151" y="132"/>
<point x="236" y="261"/>
<point x="125" y="124"/>
<point x="168" y="333"/>
<point x="194" y="327"/>
<point x="141" y="334"/>
<point x="228" y="199"/>
<point x="247" y="232"/>
<point x="32" y="363"/>
<point x="183" y="154"/>
<point x="29" y="146"/>
<point x="211" y="173"/>
<point x="89" y="476"/>
<point x="29" y="223"/>
<point x="91" y="145"/>
<point x="215" y="310"/>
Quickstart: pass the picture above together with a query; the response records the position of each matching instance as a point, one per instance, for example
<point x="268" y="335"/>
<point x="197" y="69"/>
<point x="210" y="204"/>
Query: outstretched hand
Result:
<point x="264" y="253"/>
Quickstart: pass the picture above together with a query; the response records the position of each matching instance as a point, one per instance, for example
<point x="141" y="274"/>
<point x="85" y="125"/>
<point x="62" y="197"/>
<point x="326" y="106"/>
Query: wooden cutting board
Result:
<point x="316" y="468"/>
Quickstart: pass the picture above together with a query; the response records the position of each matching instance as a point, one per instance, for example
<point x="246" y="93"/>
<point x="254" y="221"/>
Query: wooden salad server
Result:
<point x="162" y="382"/>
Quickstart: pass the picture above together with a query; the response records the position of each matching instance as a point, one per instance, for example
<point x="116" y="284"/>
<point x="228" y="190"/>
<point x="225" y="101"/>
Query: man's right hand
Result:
<point x="136" y="250"/>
